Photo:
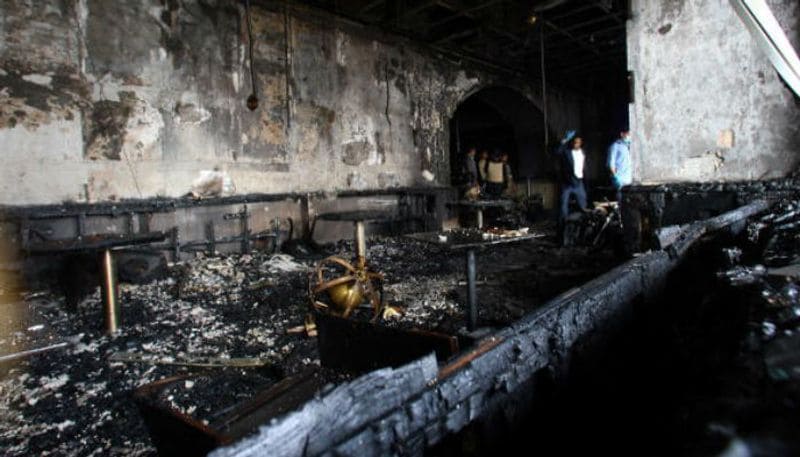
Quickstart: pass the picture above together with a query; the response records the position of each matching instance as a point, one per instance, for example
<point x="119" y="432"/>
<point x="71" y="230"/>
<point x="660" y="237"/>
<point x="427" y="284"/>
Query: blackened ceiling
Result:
<point x="582" y="41"/>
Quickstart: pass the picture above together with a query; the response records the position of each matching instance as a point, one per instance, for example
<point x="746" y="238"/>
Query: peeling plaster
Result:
<point x="717" y="82"/>
<point x="156" y="106"/>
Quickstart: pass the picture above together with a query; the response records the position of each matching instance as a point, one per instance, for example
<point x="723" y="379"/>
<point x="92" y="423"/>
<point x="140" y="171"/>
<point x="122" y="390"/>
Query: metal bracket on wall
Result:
<point x="244" y="216"/>
<point x="175" y="244"/>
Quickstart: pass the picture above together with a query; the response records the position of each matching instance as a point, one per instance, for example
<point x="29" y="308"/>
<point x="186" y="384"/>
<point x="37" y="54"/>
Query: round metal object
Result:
<point x="346" y="296"/>
<point x="342" y="294"/>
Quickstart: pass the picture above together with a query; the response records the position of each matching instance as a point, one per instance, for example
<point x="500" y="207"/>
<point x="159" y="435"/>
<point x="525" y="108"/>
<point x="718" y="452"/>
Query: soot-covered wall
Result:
<point x="111" y="99"/>
<point x="708" y="104"/>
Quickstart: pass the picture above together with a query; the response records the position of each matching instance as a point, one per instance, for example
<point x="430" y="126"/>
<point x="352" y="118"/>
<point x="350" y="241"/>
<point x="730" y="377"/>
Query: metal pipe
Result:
<point x="472" y="294"/>
<point x="110" y="291"/>
<point x="20" y="355"/>
<point x="361" y="243"/>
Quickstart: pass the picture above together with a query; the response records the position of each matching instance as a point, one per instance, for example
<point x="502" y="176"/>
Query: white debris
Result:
<point x="55" y="382"/>
<point x="284" y="263"/>
<point x="64" y="425"/>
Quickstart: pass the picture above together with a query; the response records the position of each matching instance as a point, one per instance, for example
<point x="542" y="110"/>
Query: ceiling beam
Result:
<point x="419" y="8"/>
<point x="455" y="36"/>
<point x="600" y="36"/>
<point x="571" y="37"/>
<point x="603" y="7"/>
<point x="370" y="6"/>
<point x="603" y="18"/>
<point x="459" y="12"/>
<point x="572" y="12"/>
<point x="469" y="14"/>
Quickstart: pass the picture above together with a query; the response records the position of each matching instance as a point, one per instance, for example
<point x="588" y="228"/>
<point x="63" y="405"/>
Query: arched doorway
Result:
<point x="500" y="118"/>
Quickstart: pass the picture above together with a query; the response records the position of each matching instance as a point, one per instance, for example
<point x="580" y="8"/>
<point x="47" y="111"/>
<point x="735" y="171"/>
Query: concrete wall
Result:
<point x="708" y="105"/>
<point x="103" y="100"/>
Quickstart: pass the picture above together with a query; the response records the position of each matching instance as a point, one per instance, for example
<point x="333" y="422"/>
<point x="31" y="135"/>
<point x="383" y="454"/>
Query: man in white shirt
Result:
<point x="573" y="161"/>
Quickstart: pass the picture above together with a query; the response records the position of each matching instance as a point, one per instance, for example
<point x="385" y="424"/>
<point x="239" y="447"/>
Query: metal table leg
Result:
<point x="110" y="291"/>
<point x="361" y="244"/>
<point x="472" y="295"/>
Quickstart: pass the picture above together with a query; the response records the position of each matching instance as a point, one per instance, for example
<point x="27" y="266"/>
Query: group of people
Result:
<point x="488" y="175"/>
<point x="573" y="161"/>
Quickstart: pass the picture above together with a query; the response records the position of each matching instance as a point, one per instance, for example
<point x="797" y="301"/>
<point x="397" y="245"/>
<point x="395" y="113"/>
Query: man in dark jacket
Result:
<point x="572" y="161"/>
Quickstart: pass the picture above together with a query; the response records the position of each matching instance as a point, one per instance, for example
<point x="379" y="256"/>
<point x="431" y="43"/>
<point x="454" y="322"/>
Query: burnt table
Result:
<point x="359" y="218"/>
<point x="479" y="205"/>
<point x="455" y="241"/>
<point x="104" y="244"/>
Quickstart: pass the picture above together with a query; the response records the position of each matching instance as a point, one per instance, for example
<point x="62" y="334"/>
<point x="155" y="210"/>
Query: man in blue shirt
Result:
<point x="619" y="163"/>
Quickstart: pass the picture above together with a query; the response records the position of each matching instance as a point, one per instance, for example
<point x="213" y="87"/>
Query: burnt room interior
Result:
<point x="399" y="227"/>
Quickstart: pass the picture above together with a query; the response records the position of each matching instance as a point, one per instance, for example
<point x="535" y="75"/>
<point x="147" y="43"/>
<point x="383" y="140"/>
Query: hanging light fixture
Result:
<point x="252" y="100"/>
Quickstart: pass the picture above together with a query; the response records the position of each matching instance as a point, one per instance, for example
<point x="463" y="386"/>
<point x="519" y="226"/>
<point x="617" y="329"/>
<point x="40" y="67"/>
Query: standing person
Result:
<point x="573" y="160"/>
<point x="619" y="163"/>
<point x="482" y="165"/>
<point x="508" y="177"/>
<point x="470" y="169"/>
<point x="494" y="176"/>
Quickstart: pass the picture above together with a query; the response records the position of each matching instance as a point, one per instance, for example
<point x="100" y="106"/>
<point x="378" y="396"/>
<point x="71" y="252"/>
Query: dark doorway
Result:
<point x="502" y="119"/>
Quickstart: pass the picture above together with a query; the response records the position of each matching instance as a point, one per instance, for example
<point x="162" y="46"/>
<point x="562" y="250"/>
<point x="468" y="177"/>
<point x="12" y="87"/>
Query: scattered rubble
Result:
<point x="764" y="274"/>
<point x="76" y="400"/>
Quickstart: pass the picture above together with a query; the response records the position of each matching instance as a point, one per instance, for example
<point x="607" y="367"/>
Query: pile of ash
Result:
<point x="77" y="399"/>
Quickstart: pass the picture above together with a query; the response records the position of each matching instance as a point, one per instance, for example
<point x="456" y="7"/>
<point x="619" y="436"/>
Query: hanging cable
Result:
<point x="544" y="87"/>
<point x="252" y="100"/>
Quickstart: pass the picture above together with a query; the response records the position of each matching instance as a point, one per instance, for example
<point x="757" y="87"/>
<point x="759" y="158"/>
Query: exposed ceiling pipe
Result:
<point x="548" y="5"/>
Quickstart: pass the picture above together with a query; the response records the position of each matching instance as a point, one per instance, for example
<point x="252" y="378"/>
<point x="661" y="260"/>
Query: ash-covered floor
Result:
<point x="74" y="400"/>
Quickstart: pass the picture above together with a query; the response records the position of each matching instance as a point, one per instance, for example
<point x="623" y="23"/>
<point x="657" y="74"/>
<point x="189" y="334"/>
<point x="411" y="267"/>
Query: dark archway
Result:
<point x="500" y="118"/>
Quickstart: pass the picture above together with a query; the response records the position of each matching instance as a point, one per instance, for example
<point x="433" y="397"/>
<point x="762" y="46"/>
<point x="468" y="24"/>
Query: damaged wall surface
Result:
<point x="708" y="105"/>
<point x="104" y="100"/>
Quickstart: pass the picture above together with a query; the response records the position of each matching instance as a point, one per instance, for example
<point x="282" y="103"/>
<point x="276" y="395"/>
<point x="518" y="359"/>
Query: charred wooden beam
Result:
<point x="405" y="409"/>
<point x="343" y="413"/>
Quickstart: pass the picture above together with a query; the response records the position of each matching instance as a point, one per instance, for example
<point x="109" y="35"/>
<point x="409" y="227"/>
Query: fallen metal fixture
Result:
<point x="593" y="227"/>
<point x="351" y="288"/>
<point x="309" y="328"/>
<point x="348" y="291"/>
<point x="202" y="362"/>
<point x="23" y="354"/>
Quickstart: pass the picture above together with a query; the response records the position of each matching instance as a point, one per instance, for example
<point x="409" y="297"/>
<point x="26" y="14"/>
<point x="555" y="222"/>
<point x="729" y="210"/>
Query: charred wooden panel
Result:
<point x="361" y="346"/>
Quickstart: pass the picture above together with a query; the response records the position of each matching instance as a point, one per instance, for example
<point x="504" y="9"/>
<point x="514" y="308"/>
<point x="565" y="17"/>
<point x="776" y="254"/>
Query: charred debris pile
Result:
<point x="231" y="326"/>
<point x="733" y="343"/>
<point x="718" y="367"/>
